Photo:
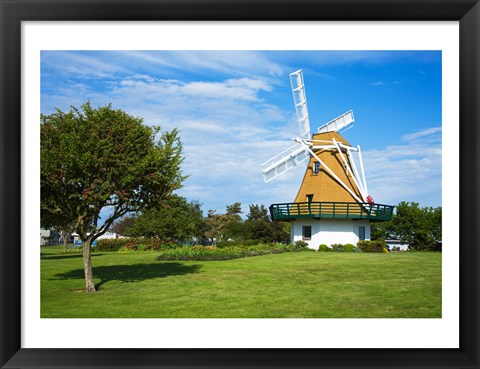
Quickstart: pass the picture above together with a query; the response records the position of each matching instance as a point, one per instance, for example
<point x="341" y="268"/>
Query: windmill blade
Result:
<point x="361" y="168"/>
<point x="300" y="101"/>
<point x="339" y="124"/>
<point x="283" y="162"/>
<point x="349" y="171"/>
<point x="360" y="180"/>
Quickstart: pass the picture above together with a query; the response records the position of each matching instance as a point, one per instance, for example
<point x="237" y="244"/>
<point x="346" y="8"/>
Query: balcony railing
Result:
<point x="317" y="210"/>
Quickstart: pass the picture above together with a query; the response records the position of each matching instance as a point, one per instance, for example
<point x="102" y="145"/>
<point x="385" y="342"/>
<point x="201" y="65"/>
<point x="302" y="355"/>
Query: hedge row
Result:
<point x="248" y="247"/>
<point x="223" y="244"/>
<point x="338" y="247"/>
<point x="199" y="252"/>
<point x="365" y="246"/>
<point x="133" y="244"/>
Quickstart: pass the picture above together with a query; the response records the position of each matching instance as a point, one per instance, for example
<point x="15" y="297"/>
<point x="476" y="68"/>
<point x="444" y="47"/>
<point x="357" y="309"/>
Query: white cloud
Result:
<point x="410" y="171"/>
<point x="233" y="63"/>
<point x="80" y="65"/>
<point x="420" y="134"/>
<point x="147" y="58"/>
<point x="236" y="89"/>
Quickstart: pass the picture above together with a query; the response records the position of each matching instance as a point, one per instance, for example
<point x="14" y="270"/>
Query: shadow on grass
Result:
<point x="63" y="256"/>
<point x="132" y="272"/>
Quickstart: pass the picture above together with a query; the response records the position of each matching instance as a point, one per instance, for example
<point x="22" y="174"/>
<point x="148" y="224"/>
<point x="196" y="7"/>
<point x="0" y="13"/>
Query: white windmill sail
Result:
<point x="296" y="154"/>
<point x="299" y="153"/>
<point x="339" y="124"/>
<point x="283" y="162"/>
<point x="300" y="101"/>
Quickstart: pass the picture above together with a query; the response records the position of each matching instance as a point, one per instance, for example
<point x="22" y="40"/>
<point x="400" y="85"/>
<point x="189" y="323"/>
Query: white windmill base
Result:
<point x="329" y="231"/>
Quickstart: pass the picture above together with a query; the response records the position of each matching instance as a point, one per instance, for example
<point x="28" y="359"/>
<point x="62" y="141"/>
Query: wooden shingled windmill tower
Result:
<point x="332" y="204"/>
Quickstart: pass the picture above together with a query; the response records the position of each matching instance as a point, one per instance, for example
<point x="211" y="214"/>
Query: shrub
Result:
<point x="349" y="247"/>
<point x="301" y="244"/>
<point x="426" y="244"/>
<point x="372" y="246"/>
<point x="337" y="247"/>
<point x="323" y="248"/>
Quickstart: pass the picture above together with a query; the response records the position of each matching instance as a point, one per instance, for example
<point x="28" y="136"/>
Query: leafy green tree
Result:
<point x="93" y="159"/>
<point x="175" y="220"/>
<point x="435" y="218"/>
<point x="257" y="212"/>
<point x="61" y="222"/>
<point x="420" y="227"/>
<point x="213" y="225"/>
<point x="232" y="221"/>
<point x="234" y="230"/>
<point x="66" y="233"/>
<point x="266" y="231"/>
<point x="234" y="209"/>
<point x="261" y="227"/>
<point x="224" y="226"/>
<point x="382" y="231"/>
<point x="257" y="226"/>
<point x="120" y="226"/>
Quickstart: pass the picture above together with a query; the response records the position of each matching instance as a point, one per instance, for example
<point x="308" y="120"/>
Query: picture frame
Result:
<point x="466" y="12"/>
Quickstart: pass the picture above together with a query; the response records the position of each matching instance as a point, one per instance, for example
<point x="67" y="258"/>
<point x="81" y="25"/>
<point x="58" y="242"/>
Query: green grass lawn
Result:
<point x="290" y="285"/>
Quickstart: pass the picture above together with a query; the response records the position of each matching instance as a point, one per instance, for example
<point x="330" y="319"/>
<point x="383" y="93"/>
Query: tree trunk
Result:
<point x="87" y="265"/>
<point x="66" y="237"/>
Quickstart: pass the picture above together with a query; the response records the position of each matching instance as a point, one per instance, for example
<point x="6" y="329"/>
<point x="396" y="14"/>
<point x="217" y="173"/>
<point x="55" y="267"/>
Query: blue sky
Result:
<point x="234" y="110"/>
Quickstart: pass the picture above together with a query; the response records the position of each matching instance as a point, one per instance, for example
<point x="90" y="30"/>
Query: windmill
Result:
<point x="332" y="204"/>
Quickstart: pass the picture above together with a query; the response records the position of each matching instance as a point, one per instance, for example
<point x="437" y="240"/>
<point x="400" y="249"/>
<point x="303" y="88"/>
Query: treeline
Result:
<point x="177" y="220"/>
<point x="421" y="227"/>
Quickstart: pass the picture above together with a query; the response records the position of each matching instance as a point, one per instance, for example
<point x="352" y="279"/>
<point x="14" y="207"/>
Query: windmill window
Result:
<point x="307" y="232"/>
<point x="316" y="167"/>
<point x="361" y="233"/>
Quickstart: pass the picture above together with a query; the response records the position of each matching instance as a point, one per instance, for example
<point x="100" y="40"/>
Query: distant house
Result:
<point x="106" y="235"/>
<point x="397" y="245"/>
<point x="48" y="237"/>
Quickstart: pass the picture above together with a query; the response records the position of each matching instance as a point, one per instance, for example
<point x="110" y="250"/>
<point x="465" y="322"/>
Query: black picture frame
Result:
<point x="13" y="12"/>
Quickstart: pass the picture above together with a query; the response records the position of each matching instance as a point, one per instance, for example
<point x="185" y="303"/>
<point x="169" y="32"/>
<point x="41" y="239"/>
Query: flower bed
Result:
<point x="199" y="252"/>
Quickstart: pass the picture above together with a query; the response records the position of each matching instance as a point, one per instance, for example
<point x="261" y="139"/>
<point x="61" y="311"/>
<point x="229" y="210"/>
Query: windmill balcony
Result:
<point x="341" y="210"/>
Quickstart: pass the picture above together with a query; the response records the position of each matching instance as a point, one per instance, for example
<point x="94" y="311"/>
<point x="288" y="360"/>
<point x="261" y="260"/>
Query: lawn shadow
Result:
<point x="63" y="256"/>
<point x="132" y="272"/>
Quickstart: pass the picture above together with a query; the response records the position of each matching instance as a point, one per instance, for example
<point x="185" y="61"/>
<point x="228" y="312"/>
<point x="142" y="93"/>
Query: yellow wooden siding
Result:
<point x="323" y="186"/>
